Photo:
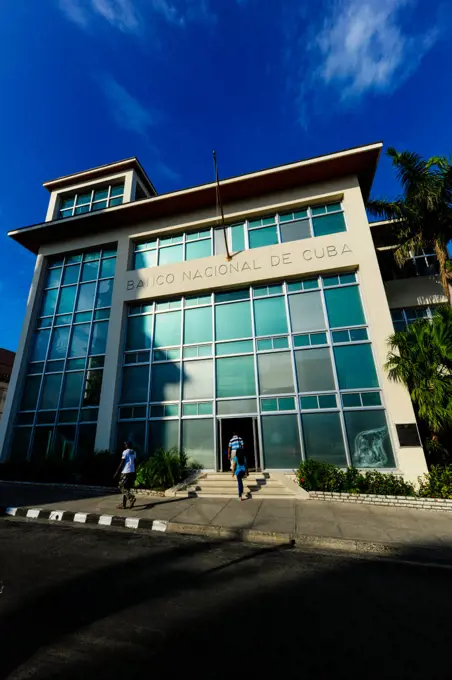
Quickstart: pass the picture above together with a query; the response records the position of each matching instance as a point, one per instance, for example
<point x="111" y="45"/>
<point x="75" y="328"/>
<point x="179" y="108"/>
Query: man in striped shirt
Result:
<point x="235" y="444"/>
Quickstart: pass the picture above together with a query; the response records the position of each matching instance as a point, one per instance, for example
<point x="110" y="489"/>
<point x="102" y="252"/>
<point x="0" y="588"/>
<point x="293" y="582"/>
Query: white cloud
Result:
<point x="132" y="16"/>
<point x="119" y="13"/>
<point x="367" y="45"/>
<point x="131" y="115"/>
<point x="126" y="109"/>
<point x="76" y="11"/>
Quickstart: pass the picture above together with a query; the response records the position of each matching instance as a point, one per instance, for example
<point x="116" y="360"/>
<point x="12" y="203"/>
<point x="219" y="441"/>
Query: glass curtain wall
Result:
<point x="295" y="354"/>
<point x="280" y="228"/>
<point x="58" y="411"/>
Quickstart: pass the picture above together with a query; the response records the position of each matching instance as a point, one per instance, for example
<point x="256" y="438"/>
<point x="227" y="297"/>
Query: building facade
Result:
<point x="149" y="321"/>
<point x="6" y="366"/>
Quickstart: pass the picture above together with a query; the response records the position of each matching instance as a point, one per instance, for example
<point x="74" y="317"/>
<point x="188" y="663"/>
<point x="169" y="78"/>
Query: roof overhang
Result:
<point x="360" y="162"/>
<point x="102" y="171"/>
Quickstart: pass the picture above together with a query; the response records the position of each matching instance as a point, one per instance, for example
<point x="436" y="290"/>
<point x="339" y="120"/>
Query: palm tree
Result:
<point x="422" y="215"/>
<point x="421" y="359"/>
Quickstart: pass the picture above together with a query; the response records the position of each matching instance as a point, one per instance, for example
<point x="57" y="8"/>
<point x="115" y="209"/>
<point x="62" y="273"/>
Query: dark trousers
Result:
<point x="240" y="477"/>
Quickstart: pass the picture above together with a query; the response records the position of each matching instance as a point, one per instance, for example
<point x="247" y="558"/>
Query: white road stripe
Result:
<point x="159" y="525"/>
<point x="132" y="522"/>
<point x="105" y="519"/>
<point x="33" y="513"/>
<point x="80" y="517"/>
<point x="56" y="515"/>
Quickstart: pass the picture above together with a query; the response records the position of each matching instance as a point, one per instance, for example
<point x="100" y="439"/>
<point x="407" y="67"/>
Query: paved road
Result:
<point x="92" y="603"/>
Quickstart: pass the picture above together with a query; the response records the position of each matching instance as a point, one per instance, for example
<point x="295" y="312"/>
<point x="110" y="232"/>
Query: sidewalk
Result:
<point x="317" y="519"/>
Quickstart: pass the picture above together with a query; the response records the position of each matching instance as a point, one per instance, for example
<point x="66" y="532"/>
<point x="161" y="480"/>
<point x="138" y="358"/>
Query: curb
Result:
<point x="301" y="541"/>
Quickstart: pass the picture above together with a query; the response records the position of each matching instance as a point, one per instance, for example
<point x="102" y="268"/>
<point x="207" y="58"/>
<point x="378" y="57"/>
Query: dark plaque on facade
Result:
<point x="408" y="435"/>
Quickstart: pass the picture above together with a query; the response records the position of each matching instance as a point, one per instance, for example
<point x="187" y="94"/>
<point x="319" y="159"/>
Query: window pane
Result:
<point x="79" y="341"/>
<point x="99" y="337"/>
<point x="20" y="443"/>
<point x="41" y="340"/>
<point x="323" y="439"/>
<point x="236" y="406"/>
<point x="90" y="271"/>
<point x="117" y="190"/>
<point x="85" y="296"/>
<point x="83" y="198"/>
<point x="233" y="295"/>
<point x="51" y="391"/>
<point x="355" y="366"/>
<point x="42" y="442"/>
<point x="71" y="274"/>
<point x="233" y="321"/>
<point x="134" y="384"/>
<point x="198" y="380"/>
<point x="327" y="401"/>
<point x="63" y="447"/>
<point x="235" y="376"/>
<point x="104" y="292"/>
<point x="368" y="439"/>
<point x="107" y="267"/>
<point x="262" y="237"/>
<point x="163" y="434"/>
<point x="53" y="278"/>
<point x="295" y="231"/>
<point x="49" y="302"/>
<point x="197" y="441"/>
<point x="344" y="307"/>
<point x="281" y="442"/>
<point x="314" y="370"/>
<point x="238" y="238"/>
<point x="270" y="316"/>
<point x="198" y="325"/>
<point x="306" y="312"/>
<point x="330" y="224"/>
<point x="58" y="346"/>
<point x="139" y="332"/>
<point x="167" y="329"/>
<point x="165" y="382"/>
<point x="275" y="373"/>
<point x="66" y="302"/>
<point x="238" y="347"/>
<point x="371" y="398"/>
<point x="198" y="249"/>
<point x="146" y="259"/>
<point x="92" y="388"/>
<point x="30" y="393"/>
<point x="72" y="390"/>
<point x="351" y="400"/>
<point x="171" y="254"/>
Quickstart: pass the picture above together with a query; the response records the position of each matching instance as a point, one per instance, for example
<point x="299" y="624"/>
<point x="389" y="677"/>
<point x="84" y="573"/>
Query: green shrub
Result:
<point x="437" y="483"/>
<point x="164" y="469"/>
<point x="313" y="475"/>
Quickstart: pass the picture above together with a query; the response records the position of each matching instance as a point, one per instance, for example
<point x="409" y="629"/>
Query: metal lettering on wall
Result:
<point x="231" y="268"/>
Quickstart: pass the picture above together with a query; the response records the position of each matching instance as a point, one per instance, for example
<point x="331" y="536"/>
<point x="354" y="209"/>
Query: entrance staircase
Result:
<point x="222" y="485"/>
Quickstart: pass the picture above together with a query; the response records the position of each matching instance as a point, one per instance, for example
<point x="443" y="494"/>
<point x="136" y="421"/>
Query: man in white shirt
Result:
<point x="127" y="478"/>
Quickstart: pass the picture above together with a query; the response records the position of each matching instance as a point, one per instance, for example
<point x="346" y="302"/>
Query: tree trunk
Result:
<point x="441" y="254"/>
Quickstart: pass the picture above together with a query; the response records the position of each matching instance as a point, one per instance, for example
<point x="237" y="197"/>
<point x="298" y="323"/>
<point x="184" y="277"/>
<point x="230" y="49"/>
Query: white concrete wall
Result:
<point x="352" y="249"/>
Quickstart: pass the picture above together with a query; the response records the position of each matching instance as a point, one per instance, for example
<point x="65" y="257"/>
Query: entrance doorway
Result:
<point x="246" y="428"/>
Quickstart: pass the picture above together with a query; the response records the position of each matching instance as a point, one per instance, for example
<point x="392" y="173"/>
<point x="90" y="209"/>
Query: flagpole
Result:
<point x="220" y="205"/>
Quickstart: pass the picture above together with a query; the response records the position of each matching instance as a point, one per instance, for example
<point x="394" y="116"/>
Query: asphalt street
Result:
<point x="94" y="603"/>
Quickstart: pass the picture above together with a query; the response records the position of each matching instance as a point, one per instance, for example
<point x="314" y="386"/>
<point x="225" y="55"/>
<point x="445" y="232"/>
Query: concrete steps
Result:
<point x="223" y="485"/>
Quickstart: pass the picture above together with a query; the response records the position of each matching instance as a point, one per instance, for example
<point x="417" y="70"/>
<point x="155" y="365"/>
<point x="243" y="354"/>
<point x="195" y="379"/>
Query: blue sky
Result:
<point x="264" y="82"/>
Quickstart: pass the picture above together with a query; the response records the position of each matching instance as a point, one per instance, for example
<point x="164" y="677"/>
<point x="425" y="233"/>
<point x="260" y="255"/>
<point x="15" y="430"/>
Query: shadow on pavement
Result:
<point x="191" y="608"/>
